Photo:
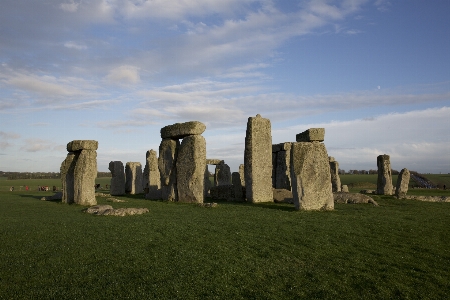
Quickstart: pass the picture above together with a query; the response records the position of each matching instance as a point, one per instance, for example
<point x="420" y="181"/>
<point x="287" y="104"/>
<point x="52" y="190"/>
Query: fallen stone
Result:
<point x="368" y="192"/>
<point x="311" y="135"/>
<point x="115" y="200"/>
<point x="428" y="198"/>
<point x="350" y="198"/>
<point x="56" y="196"/>
<point x="122" y="212"/>
<point x="182" y="130"/>
<point x="78" y="145"/>
<point x="208" y="205"/>
<point x="98" y="209"/>
<point x="283" y="196"/>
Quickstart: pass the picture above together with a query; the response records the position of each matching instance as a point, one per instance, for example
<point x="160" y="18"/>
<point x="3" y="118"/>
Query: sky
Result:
<point x="374" y="73"/>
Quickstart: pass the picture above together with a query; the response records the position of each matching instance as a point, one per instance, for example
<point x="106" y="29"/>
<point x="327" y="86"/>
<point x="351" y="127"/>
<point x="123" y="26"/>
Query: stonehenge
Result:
<point x="258" y="161"/>
<point x="310" y="172"/>
<point x="78" y="172"/>
<point x="384" y="181"/>
<point x="222" y="175"/>
<point x="133" y="178"/>
<point x="152" y="178"/>
<point x="117" y="178"/>
<point x="281" y="174"/>
<point x="402" y="183"/>
<point x="335" y="179"/>
<point x="182" y="166"/>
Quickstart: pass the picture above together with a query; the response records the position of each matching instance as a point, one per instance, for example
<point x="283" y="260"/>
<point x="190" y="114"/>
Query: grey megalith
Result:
<point x="133" y="178"/>
<point x="117" y="184"/>
<point x="258" y="160"/>
<point x="384" y="180"/>
<point x="168" y="151"/>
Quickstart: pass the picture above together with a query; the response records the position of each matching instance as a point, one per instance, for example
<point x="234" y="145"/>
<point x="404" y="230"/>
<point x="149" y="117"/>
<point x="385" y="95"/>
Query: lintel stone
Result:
<point x="181" y="130"/>
<point x="78" y="145"/>
<point x="311" y="135"/>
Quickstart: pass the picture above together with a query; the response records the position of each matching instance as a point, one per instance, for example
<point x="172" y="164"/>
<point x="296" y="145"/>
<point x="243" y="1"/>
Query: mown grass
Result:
<point x="50" y="250"/>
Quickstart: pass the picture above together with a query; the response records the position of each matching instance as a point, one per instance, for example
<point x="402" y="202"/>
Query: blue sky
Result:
<point x="374" y="74"/>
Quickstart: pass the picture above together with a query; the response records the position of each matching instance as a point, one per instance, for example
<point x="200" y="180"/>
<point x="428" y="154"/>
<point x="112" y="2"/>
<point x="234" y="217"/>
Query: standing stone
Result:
<point x="133" y="175"/>
<point x="84" y="177"/>
<point x="222" y="175"/>
<point x="67" y="178"/>
<point x="168" y="151"/>
<point x="152" y="178"/>
<point x="335" y="179"/>
<point x="258" y="160"/>
<point x="207" y="184"/>
<point x="242" y="175"/>
<point x="384" y="181"/>
<point x="237" y="186"/>
<point x="274" y="169"/>
<point x="402" y="183"/>
<point x="310" y="175"/>
<point x="344" y="188"/>
<point x="190" y="165"/>
<point x="117" y="186"/>
<point x="283" y="169"/>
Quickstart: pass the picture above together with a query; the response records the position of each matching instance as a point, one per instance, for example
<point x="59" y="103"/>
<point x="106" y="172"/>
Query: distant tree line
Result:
<point x="41" y="175"/>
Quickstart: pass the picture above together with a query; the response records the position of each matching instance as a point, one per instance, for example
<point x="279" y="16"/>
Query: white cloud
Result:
<point x="74" y="45"/>
<point x="383" y="5"/>
<point x="124" y="75"/>
<point x="69" y="6"/>
<point x="36" y="145"/>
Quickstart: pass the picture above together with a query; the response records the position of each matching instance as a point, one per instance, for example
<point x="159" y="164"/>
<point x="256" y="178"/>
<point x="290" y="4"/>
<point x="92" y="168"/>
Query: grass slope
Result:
<point x="50" y="250"/>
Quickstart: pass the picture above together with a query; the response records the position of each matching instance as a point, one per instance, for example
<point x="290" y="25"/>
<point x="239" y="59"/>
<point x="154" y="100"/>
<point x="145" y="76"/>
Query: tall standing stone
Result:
<point x="384" y="181"/>
<point x="222" y="175"/>
<point x="282" y="171"/>
<point x="258" y="160"/>
<point x="237" y="186"/>
<point x="190" y="165"/>
<point x="310" y="175"/>
<point x="168" y="151"/>
<point x="207" y="182"/>
<point x="242" y="174"/>
<point x="117" y="186"/>
<point x="152" y="178"/>
<point x="402" y="183"/>
<point x="67" y="178"/>
<point x="133" y="178"/>
<point x="335" y="179"/>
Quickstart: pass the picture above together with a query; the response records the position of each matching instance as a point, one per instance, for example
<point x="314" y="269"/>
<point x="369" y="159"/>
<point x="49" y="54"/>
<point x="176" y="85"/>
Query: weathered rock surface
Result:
<point x="67" y="171"/>
<point x="402" y="183"/>
<point x="242" y="174"/>
<point x="344" y="188"/>
<point x="283" y="196"/>
<point x="85" y="173"/>
<point x="191" y="164"/>
<point x="335" y="179"/>
<point x="384" y="181"/>
<point x="237" y="185"/>
<point x="181" y="130"/>
<point x="367" y="191"/>
<point x="108" y="210"/>
<point x="310" y="175"/>
<point x="428" y="198"/>
<point x="168" y="152"/>
<point x="56" y="196"/>
<point x="222" y="192"/>
<point x="311" y="135"/>
<point x="222" y="175"/>
<point x="78" y="145"/>
<point x="133" y="178"/>
<point x="351" y="198"/>
<point x="210" y="161"/>
<point x="207" y="182"/>
<point x="117" y="185"/>
<point x="258" y="160"/>
<point x="115" y="200"/>
<point x="152" y="178"/>
<point x="282" y="168"/>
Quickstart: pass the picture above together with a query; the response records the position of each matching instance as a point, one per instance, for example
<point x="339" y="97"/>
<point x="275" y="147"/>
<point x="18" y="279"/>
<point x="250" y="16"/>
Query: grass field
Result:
<point x="50" y="250"/>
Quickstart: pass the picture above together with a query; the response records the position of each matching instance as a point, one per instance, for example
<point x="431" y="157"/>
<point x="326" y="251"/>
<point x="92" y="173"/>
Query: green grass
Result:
<point x="50" y="250"/>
